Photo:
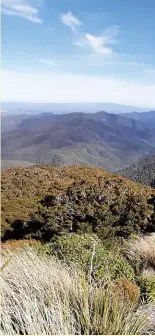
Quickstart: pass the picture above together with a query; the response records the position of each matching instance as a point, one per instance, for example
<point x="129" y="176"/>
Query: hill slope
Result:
<point x="7" y="164"/>
<point x="143" y="171"/>
<point x="42" y="201"/>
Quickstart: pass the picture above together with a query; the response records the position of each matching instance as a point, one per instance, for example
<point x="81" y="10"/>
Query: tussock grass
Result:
<point x="42" y="296"/>
<point x="141" y="252"/>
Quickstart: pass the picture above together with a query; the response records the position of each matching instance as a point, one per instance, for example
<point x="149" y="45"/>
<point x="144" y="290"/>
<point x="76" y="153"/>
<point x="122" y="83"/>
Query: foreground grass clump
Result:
<point x="141" y="254"/>
<point x="41" y="295"/>
<point x="128" y="289"/>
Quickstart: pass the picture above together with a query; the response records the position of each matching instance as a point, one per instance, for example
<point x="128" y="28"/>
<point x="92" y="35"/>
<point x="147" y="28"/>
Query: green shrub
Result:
<point x="147" y="285"/>
<point x="88" y="252"/>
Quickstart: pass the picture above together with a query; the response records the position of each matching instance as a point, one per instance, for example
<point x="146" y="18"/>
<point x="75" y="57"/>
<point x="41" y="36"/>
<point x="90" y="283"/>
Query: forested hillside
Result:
<point x="143" y="171"/>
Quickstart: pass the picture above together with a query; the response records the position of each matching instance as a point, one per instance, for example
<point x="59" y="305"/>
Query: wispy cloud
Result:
<point x="70" y="20"/>
<point x="22" y="8"/>
<point x="100" y="44"/>
<point x="94" y="62"/>
<point x="52" y="64"/>
<point x="150" y="71"/>
<point x="48" y="61"/>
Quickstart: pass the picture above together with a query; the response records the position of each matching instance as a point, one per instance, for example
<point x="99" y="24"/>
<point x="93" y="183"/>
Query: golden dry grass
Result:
<point x="141" y="250"/>
<point x="128" y="289"/>
<point x="16" y="245"/>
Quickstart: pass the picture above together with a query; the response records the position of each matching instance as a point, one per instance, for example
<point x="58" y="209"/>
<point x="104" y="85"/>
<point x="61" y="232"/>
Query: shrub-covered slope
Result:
<point x="143" y="171"/>
<point x="43" y="201"/>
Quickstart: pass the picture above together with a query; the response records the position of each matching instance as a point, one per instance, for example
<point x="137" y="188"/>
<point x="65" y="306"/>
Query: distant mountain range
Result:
<point x="96" y="139"/>
<point x="148" y="116"/>
<point x="35" y="108"/>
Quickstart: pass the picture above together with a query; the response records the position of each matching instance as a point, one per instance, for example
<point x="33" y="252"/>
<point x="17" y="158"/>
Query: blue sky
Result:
<point x="63" y="50"/>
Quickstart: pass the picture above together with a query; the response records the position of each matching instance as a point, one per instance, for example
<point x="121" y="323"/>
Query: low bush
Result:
<point x="88" y="252"/>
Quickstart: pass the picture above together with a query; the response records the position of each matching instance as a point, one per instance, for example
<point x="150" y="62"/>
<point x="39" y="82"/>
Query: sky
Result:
<point x="79" y="51"/>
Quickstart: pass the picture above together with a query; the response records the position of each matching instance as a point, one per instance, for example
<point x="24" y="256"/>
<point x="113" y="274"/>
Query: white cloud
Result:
<point x="100" y="44"/>
<point x="70" y="20"/>
<point x="22" y="8"/>
<point x="56" y="87"/>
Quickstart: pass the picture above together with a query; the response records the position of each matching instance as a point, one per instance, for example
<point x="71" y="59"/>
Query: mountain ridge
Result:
<point x="86" y="107"/>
